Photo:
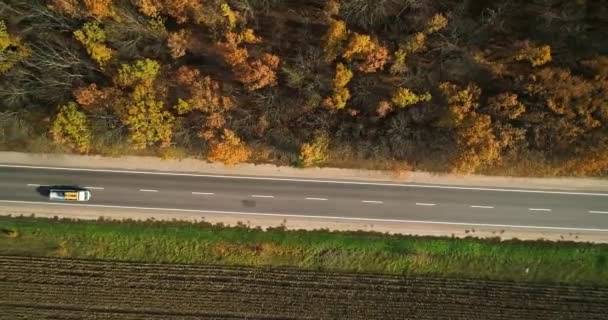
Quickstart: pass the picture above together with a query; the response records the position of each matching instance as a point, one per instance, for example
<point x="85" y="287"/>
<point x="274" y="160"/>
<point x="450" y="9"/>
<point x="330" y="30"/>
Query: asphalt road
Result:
<point x="350" y="200"/>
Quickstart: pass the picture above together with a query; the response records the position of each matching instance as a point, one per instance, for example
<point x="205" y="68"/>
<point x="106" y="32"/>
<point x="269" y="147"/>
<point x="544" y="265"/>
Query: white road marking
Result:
<point x="94" y="188"/>
<point x="600" y="212"/>
<point x="317" y="199"/>
<point x="483" y="207"/>
<point x="424" y="204"/>
<point x="539" y="209"/>
<point x="312" y="180"/>
<point x="148" y="190"/>
<point x="260" y="196"/>
<point x="33" y="185"/>
<point x="372" y="201"/>
<point x="204" y="193"/>
<point x="306" y="216"/>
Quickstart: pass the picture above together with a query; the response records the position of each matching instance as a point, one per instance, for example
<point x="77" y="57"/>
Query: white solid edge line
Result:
<point x="204" y="193"/>
<point x="260" y="196"/>
<point x="372" y="201"/>
<point x="424" y="204"/>
<point x="310" y="180"/>
<point x="600" y="212"/>
<point x="318" y="199"/>
<point x="483" y="207"/>
<point x="94" y="188"/>
<point x="148" y="190"/>
<point x="539" y="209"/>
<point x="306" y="216"/>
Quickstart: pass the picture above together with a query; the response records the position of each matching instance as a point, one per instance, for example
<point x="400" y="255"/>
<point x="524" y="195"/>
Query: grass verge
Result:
<point x="203" y="243"/>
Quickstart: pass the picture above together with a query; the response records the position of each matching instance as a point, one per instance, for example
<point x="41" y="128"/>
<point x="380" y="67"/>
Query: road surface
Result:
<point x="362" y="201"/>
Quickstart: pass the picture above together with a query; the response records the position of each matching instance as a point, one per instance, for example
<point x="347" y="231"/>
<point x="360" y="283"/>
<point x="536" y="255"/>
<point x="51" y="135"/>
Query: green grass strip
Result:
<point x="203" y="243"/>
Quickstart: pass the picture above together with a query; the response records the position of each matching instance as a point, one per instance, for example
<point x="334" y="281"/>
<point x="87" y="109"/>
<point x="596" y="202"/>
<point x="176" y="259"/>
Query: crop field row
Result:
<point x="51" y="288"/>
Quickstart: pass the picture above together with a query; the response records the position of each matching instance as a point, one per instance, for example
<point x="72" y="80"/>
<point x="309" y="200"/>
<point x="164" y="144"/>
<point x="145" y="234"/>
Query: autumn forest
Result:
<point x="510" y="87"/>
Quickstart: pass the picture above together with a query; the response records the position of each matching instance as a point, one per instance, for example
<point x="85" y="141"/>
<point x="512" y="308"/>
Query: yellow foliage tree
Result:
<point x="12" y="50"/>
<point x="461" y="101"/>
<point x="92" y="36"/>
<point x="436" y="23"/>
<point x="404" y="97"/>
<point x="230" y="16"/>
<point x="316" y="152"/>
<point x="358" y="45"/>
<point x="70" y="128"/>
<point x="476" y="144"/>
<point x="230" y="150"/>
<point x="340" y="94"/>
<point x="143" y="71"/>
<point x="147" y="120"/>
<point x="536" y="55"/>
<point x="343" y="76"/>
<point x="334" y="38"/>
<point x="399" y="62"/>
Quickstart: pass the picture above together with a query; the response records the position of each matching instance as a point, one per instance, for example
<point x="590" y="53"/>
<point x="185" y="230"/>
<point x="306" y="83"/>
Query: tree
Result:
<point x="92" y="97"/>
<point x="316" y="152"/>
<point x="12" y="50"/>
<point x="98" y="8"/>
<point x="536" y="55"/>
<point x="476" y="144"/>
<point x="343" y="76"/>
<point x="340" y="94"/>
<point x="92" y="36"/>
<point x="505" y="105"/>
<point x="461" y="101"/>
<point x="178" y="42"/>
<point x="67" y="7"/>
<point x="334" y="38"/>
<point x="230" y="16"/>
<point x="374" y="60"/>
<point x="404" y="97"/>
<point x="259" y="73"/>
<point x="230" y="150"/>
<point x="70" y="128"/>
<point x="143" y="71"/>
<point x="399" y="61"/>
<point x="148" y="123"/>
<point x="205" y="93"/>
<point x="182" y="10"/>
<point x="368" y="53"/>
<point x="436" y="23"/>
<point x="358" y="45"/>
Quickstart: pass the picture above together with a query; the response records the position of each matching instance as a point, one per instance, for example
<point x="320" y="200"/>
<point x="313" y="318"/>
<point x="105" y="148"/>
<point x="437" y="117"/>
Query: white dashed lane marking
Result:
<point x="261" y="196"/>
<point x="94" y="188"/>
<point x="600" y="212"/>
<point x="424" y="204"/>
<point x="372" y="201"/>
<point x="483" y="207"/>
<point x="317" y="199"/>
<point x="539" y="209"/>
<point x="148" y="190"/>
<point x="33" y="185"/>
<point x="204" y="193"/>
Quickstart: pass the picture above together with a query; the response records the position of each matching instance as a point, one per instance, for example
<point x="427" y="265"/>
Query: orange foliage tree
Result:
<point x="178" y="43"/>
<point x="254" y="75"/>
<point x="205" y="94"/>
<point x="230" y="150"/>
<point x="368" y="53"/>
<point x="92" y="97"/>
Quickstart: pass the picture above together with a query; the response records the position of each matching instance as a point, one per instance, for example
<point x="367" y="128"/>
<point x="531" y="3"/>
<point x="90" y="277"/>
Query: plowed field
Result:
<point x="50" y="288"/>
